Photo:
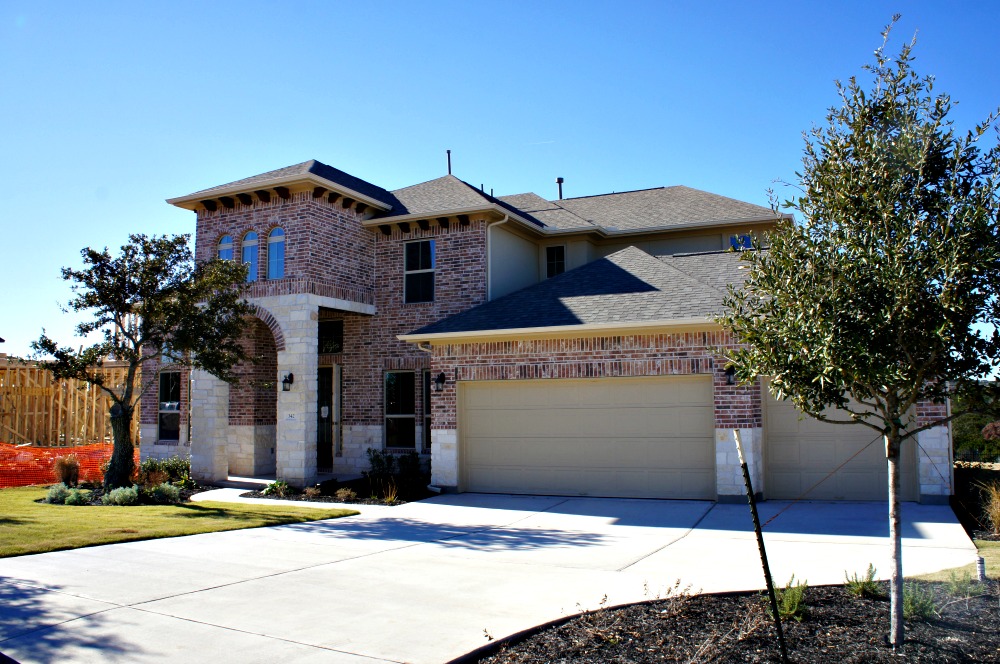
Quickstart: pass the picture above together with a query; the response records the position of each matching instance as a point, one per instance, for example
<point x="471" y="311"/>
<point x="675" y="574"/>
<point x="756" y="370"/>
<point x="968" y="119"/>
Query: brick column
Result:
<point x="737" y="407"/>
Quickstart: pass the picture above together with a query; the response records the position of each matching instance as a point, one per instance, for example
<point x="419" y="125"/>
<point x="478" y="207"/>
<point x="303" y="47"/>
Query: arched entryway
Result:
<point x="253" y="405"/>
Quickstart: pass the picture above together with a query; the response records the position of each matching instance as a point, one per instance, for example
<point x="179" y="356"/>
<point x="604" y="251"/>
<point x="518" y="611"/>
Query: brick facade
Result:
<point x="596" y="357"/>
<point x="253" y="400"/>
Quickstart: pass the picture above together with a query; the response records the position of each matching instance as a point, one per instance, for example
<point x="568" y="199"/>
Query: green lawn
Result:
<point x="30" y="527"/>
<point x="990" y="551"/>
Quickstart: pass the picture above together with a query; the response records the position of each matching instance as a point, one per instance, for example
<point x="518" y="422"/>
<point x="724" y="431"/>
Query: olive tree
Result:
<point x="883" y="294"/>
<point x="150" y="299"/>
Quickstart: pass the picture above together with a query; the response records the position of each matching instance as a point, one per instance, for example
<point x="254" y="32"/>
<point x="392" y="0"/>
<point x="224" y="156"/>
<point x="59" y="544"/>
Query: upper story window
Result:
<point x="740" y="242"/>
<point x="276" y="254"/>
<point x="418" y="271"/>
<point x="251" y="255"/>
<point x="226" y="248"/>
<point x="555" y="261"/>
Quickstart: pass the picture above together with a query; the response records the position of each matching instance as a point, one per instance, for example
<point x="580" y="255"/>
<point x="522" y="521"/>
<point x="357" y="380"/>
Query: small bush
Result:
<point x="328" y="487"/>
<point x="280" y="488"/>
<point x="990" y="496"/>
<point x="918" y="601"/>
<point x="57" y="494"/>
<point x="165" y="493"/>
<point x="67" y="469"/>
<point x="963" y="587"/>
<point x="346" y="495"/>
<point x="312" y="491"/>
<point x="381" y="463"/>
<point x="177" y="468"/>
<point x="124" y="496"/>
<point x="390" y="492"/>
<point x="77" y="497"/>
<point x="791" y="599"/>
<point x="863" y="587"/>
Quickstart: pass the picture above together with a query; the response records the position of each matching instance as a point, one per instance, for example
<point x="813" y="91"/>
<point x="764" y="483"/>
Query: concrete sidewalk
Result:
<point x="421" y="582"/>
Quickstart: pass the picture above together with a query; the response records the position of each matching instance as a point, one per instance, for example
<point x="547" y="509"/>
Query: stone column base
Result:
<point x="729" y="484"/>
<point x="444" y="459"/>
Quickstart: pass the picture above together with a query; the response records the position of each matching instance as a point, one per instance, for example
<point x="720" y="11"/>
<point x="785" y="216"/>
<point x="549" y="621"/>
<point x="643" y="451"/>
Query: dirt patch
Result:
<point x="736" y="628"/>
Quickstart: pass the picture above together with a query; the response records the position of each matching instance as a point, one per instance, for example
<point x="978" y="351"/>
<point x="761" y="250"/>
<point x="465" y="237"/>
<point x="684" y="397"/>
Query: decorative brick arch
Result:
<point x="265" y="316"/>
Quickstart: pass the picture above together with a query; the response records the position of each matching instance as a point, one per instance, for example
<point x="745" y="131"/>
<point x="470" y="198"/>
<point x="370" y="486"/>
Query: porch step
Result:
<point x="248" y="483"/>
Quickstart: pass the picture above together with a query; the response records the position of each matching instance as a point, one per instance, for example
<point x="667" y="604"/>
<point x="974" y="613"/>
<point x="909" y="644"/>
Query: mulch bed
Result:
<point x="365" y="494"/>
<point x="736" y="629"/>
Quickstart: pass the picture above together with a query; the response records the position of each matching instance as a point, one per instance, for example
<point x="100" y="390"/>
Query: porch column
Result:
<point x="297" y="408"/>
<point x="209" y="427"/>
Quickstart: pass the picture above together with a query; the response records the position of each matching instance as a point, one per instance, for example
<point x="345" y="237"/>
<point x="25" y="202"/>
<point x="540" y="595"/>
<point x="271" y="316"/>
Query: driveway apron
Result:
<point x="428" y="581"/>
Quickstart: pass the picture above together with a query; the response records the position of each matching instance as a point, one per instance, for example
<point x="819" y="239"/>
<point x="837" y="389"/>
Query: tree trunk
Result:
<point x="892" y="446"/>
<point x="122" y="463"/>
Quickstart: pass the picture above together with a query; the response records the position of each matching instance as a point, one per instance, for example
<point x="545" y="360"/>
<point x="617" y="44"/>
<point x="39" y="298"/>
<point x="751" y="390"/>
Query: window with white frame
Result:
<point x="276" y="254"/>
<point x="226" y="248"/>
<point x="251" y="256"/>
<point x="418" y="271"/>
<point x="170" y="403"/>
<point x="400" y="409"/>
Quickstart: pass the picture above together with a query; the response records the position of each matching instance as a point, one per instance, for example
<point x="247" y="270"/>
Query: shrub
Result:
<point x="165" y="493"/>
<point x="990" y="496"/>
<point x="863" y="587"/>
<point x="381" y="464"/>
<point x="791" y="599"/>
<point x="124" y="496"/>
<point x="178" y="469"/>
<point x="346" y="495"/>
<point x="328" y="487"/>
<point x="963" y="587"/>
<point x="918" y="601"/>
<point x="280" y="488"/>
<point x="67" y="469"/>
<point x="77" y="497"/>
<point x="312" y="491"/>
<point x="57" y="494"/>
<point x="390" y="492"/>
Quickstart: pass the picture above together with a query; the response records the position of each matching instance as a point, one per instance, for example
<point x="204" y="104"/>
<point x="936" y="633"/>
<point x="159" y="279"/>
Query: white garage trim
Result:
<point x="650" y="437"/>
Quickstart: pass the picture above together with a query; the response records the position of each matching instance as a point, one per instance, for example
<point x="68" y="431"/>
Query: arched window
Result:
<point x="276" y="254"/>
<point x="226" y="248"/>
<point x="250" y="255"/>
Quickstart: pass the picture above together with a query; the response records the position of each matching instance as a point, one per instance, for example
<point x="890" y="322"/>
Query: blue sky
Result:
<point x="109" y="108"/>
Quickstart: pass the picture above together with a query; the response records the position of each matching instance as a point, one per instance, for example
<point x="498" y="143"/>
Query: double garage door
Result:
<point x="651" y="438"/>
<point x="620" y="437"/>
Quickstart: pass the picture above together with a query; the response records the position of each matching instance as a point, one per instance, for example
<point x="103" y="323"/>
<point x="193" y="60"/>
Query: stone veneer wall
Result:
<point x="935" y="460"/>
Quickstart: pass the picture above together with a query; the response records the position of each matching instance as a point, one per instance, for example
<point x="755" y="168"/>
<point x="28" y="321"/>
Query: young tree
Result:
<point x="151" y="298"/>
<point x="882" y="296"/>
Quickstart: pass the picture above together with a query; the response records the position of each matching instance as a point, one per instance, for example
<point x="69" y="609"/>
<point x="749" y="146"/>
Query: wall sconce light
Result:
<point x="730" y="375"/>
<point x="439" y="382"/>
<point x="286" y="382"/>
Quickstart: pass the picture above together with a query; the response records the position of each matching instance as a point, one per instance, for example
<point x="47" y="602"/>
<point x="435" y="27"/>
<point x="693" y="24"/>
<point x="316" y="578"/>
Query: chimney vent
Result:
<point x="559" y="181"/>
<point x="449" y="161"/>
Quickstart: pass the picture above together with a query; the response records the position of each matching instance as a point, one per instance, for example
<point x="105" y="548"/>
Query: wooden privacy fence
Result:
<point x="39" y="410"/>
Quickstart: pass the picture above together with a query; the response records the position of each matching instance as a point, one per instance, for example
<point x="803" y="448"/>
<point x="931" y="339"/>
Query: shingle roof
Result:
<point x="444" y="194"/>
<point x="547" y="212"/>
<point x="664" y="206"/>
<point x="629" y="286"/>
<point x="314" y="167"/>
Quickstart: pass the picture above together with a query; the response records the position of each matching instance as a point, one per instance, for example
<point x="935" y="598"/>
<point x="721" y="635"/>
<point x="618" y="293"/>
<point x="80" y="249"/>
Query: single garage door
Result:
<point x="801" y="451"/>
<point x="621" y="437"/>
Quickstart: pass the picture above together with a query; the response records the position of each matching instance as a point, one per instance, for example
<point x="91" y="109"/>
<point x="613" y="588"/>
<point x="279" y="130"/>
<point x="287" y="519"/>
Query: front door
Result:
<point x="328" y="418"/>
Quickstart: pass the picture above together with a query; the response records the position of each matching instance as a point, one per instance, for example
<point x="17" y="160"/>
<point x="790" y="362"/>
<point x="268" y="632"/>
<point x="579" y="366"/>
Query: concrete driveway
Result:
<point x="425" y="582"/>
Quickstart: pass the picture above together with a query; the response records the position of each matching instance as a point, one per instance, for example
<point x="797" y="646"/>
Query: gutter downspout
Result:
<point x="489" y="257"/>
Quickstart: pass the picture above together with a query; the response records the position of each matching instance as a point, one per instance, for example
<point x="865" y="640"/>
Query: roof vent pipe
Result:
<point x="559" y="182"/>
<point x="449" y="161"/>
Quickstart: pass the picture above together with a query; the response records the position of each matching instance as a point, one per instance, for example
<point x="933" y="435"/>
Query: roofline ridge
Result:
<point x="611" y="193"/>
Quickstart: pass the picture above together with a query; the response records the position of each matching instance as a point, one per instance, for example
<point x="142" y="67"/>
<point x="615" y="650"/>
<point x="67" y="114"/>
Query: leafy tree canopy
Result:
<point x="149" y="299"/>
<point x="884" y="289"/>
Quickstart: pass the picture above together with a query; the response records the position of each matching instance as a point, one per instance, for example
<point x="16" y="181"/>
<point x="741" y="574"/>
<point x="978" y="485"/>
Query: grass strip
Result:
<point x="30" y="527"/>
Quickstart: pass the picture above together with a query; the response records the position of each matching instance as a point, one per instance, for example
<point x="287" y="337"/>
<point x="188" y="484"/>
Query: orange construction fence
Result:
<point x="25" y="465"/>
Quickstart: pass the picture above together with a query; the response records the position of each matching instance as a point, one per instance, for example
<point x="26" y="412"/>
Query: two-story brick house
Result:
<point x="524" y="345"/>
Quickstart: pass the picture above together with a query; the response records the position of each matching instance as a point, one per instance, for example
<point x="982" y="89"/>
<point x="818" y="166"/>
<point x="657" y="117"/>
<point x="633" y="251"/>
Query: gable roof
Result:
<point x="447" y="194"/>
<point x="626" y="287"/>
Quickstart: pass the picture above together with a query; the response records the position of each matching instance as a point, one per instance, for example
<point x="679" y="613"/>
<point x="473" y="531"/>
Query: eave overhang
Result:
<point x="700" y="323"/>
<point x="293" y="183"/>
